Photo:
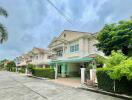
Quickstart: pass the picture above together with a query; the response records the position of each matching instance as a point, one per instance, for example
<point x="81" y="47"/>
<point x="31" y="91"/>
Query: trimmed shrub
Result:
<point x="30" y="67"/>
<point x="44" y="72"/>
<point x="100" y="61"/>
<point x="10" y="65"/>
<point x="13" y="69"/>
<point x="22" y="70"/>
<point x="106" y="83"/>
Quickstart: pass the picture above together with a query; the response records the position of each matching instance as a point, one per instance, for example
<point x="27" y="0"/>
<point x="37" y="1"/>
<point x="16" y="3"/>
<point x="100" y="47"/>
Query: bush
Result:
<point x="123" y="69"/>
<point x="22" y="70"/>
<point x="115" y="59"/>
<point x="100" y="61"/>
<point x="106" y="83"/>
<point x="13" y="69"/>
<point x="44" y="72"/>
<point x="30" y="67"/>
<point x="10" y="65"/>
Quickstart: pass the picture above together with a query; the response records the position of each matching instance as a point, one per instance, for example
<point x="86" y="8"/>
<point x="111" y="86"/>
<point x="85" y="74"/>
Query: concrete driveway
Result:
<point x="19" y="87"/>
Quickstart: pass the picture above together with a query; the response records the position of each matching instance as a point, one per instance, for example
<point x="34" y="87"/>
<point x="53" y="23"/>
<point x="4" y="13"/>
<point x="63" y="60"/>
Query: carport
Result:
<point x="69" y="68"/>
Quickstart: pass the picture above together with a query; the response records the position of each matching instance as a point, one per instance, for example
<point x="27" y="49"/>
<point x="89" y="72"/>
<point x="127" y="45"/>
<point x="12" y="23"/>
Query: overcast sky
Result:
<point x="33" y="23"/>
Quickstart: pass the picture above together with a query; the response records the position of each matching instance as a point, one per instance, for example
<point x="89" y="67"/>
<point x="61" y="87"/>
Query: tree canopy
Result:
<point x="3" y="31"/>
<point x="117" y="36"/>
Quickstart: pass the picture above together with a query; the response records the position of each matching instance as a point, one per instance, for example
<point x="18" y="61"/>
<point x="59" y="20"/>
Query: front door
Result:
<point x="59" y="70"/>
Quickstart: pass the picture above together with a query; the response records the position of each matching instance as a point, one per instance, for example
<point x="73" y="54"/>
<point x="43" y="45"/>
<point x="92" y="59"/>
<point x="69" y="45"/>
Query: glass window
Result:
<point x="77" y="47"/>
<point x="71" y="48"/>
<point x="74" y="48"/>
<point x="60" y="53"/>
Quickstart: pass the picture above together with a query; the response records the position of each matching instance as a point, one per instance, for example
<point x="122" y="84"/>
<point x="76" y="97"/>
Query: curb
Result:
<point x="126" y="97"/>
<point x="37" y="77"/>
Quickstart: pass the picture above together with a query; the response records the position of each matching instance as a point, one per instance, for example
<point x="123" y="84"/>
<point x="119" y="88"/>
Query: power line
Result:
<point x="59" y="11"/>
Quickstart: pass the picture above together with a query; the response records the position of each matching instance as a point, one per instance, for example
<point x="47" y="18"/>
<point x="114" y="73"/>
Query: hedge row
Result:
<point x="118" y="86"/>
<point x="44" y="72"/>
<point x="22" y="70"/>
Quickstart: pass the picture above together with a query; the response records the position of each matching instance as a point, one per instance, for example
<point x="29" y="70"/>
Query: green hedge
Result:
<point x="106" y="83"/>
<point x="44" y="72"/>
<point x="13" y="69"/>
<point x="22" y="70"/>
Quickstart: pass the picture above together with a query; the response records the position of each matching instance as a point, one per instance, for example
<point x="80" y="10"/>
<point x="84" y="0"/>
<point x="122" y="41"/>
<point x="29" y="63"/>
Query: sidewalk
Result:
<point x="95" y="89"/>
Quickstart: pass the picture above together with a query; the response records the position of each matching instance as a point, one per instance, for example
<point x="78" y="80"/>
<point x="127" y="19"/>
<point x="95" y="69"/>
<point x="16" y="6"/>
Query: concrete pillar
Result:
<point x="93" y="75"/>
<point x="83" y="75"/>
<point x="26" y="71"/>
<point x="16" y="69"/>
<point x="56" y="71"/>
<point x="63" y="70"/>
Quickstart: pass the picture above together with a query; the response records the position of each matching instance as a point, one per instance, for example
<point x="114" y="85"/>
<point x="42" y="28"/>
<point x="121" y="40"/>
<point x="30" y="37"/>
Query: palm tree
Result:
<point x="3" y="32"/>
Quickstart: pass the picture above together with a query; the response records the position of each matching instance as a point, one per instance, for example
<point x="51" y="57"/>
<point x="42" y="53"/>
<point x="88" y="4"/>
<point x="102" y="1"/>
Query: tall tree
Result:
<point x="116" y="37"/>
<point x="3" y="31"/>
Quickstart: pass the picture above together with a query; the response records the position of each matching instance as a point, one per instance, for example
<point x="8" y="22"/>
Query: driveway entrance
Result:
<point x="68" y="81"/>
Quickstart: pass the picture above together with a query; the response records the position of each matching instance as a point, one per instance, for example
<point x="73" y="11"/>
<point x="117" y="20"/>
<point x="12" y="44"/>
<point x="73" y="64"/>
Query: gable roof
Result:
<point x="73" y="35"/>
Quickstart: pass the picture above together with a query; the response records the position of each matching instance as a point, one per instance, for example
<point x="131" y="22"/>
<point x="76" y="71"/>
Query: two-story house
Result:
<point x="21" y="60"/>
<point x="36" y="56"/>
<point x="71" y="51"/>
<point x="39" y="57"/>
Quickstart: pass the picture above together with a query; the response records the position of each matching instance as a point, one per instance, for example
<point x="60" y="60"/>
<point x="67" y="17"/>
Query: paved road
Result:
<point x="19" y="87"/>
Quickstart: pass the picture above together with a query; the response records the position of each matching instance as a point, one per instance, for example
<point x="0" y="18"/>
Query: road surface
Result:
<point x="15" y="86"/>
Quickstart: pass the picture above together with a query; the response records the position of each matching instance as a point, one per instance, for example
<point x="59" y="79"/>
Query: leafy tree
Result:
<point x="115" y="59"/>
<point x="30" y="67"/>
<point x="10" y="65"/>
<point x="2" y="63"/>
<point x="116" y="37"/>
<point x="3" y="31"/>
<point x="100" y="61"/>
<point x="123" y="69"/>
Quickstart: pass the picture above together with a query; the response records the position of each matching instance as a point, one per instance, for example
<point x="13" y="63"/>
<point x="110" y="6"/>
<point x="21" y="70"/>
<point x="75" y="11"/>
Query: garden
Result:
<point x="116" y="76"/>
<point x="115" y="40"/>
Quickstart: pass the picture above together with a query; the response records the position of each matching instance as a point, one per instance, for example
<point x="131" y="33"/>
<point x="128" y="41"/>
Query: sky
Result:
<point x="34" y="23"/>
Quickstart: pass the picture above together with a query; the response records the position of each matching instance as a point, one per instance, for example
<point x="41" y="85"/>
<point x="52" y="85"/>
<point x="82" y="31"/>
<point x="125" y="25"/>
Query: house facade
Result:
<point x="71" y="51"/>
<point x="36" y="56"/>
<point x="40" y="57"/>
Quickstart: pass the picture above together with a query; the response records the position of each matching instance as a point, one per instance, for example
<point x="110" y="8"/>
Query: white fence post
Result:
<point x="56" y="71"/>
<point x="83" y="75"/>
<point x="93" y="75"/>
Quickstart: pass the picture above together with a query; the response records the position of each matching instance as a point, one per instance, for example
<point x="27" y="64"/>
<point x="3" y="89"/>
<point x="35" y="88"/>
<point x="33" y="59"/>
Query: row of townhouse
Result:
<point x="36" y="56"/>
<point x="67" y="53"/>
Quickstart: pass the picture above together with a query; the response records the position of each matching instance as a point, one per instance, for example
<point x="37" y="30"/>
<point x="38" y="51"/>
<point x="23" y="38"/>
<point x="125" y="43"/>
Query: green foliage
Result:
<point x="106" y="83"/>
<point x="10" y="65"/>
<point x="123" y="69"/>
<point x="116" y="37"/>
<point x="100" y="61"/>
<point x="2" y="63"/>
<point x="118" y="70"/>
<point x="3" y="12"/>
<point x="44" y="72"/>
<point x="119" y="66"/>
<point x="30" y="67"/>
<point x="3" y="31"/>
<point x="22" y="70"/>
<point x="114" y="59"/>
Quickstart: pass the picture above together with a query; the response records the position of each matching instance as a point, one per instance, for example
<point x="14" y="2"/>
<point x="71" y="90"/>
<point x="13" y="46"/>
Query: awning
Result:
<point x="72" y="60"/>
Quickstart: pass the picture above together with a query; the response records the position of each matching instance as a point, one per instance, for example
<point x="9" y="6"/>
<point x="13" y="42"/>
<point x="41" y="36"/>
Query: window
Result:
<point x="71" y="48"/>
<point x="64" y="35"/>
<point x="77" y="47"/>
<point x="74" y="48"/>
<point x="59" y="53"/>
